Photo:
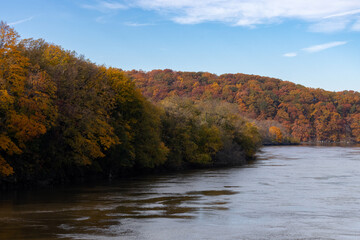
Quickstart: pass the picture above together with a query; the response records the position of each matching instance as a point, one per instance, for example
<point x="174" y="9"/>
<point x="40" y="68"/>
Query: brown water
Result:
<point x="297" y="192"/>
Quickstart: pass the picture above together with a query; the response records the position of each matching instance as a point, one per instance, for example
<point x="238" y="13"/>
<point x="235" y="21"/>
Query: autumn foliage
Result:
<point x="305" y="114"/>
<point x="276" y="134"/>
<point x="63" y="117"/>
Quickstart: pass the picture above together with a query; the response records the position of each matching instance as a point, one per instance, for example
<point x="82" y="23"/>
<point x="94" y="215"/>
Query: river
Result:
<point x="290" y="192"/>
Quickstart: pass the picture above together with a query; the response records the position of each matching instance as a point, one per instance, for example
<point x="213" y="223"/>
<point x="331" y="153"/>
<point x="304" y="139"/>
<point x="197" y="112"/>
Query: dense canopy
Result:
<point x="307" y="114"/>
<point x="63" y="117"/>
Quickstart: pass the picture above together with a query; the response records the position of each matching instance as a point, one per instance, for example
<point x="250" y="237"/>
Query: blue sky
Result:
<point x="315" y="43"/>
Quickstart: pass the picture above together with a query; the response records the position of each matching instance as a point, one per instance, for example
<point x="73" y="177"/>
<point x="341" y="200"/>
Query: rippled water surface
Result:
<point x="297" y="192"/>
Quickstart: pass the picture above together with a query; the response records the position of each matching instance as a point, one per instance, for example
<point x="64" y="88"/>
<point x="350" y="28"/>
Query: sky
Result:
<point x="315" y="43"/>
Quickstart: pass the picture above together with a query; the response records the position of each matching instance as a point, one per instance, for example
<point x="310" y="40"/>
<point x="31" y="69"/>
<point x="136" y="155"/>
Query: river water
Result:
<point x="290" y="192"/>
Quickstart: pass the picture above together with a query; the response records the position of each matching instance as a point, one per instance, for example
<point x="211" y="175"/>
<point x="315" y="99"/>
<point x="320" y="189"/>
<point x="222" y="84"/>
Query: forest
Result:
<point x="286" y="109"/>
<point x="63" y="117"/>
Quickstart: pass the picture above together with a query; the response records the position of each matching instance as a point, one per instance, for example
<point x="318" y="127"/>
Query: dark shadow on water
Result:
<point x="213" y="192"/>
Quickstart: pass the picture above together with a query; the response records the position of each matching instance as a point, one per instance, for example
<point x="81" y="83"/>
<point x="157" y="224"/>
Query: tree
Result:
<point x="276" y="133"/>
<point x="26" y="109"/>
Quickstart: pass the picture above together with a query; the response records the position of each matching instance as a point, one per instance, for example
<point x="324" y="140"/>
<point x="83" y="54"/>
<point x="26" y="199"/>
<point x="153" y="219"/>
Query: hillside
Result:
<point x="307" y="114"/>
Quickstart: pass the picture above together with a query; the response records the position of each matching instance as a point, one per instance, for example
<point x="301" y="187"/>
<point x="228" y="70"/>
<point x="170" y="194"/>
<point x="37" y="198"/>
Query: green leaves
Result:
<point x="197" y="133"/>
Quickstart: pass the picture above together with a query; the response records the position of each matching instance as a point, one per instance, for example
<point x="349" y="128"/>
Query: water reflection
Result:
<point x="295" y="192"/>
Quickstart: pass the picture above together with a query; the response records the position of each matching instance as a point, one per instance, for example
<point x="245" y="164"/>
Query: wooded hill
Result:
<point x="307" y="114"/>
<point x="63" y="117"/>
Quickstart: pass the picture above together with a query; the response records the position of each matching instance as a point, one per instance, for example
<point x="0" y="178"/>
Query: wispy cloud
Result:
<point x="290" y="54"/>
<point x="343" y="14"/>
<point x="323" y="15"/>
<point x="315" y="48"/>
<point x="105" y="6"/>
<point x="20" y="21"/>
<point x="330" y="25"/>
<point x="322" y="47"/>
<point x="113" y="5"/>
<point x="133" y="24"/>
<point x="249" y="12"/>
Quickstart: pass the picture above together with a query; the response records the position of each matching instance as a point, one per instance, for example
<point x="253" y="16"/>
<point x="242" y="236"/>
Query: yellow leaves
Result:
<point x="254" y="86"/>
<point x="56" y="55"/>
<point x="124" y="89"/>
<point x="13" y="63"/>
<point x="282" y="115"/>
<point x="87" y="149"/>
<point x="276" y="133"/>
<point x="106" y="134"/>
<point x="180" y="79"/>
<point x="238" y="85"/>
<point x="24" y="127"/>
<point x="215" y="86"/>
<point x="5" y="100"/>
<point x="8" y="38"/>
<point x="211" y="140"/>
<point x="252" y="131"/>
<point x="95" y="137"/>
<point x="15" y="74"/>
<point x="8" y="146"/>
<point x="5" y="168"/>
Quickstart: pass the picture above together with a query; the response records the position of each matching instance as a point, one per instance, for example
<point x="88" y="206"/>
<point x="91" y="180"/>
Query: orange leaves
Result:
<point x="302" y="128"/>
<point x="276" y="133"/>
<point x="262" y="98"/>
<point x="105" y="134"/>
<point x="8" y="146"/>
<point x="12" y="62"/>
<point x="6" y="100"/>
<point x="25" y="98"/>
<point x="24" y="127"/>
<point x="8" y="38"/>
<point x="282" y="115"/>
<point x="5" y="168"/>
<point x="355" y="126"/>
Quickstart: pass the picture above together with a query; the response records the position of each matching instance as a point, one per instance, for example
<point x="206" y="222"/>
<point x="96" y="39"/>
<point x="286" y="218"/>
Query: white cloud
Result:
<point x="253" y="12"/>
<point x="321" y="47"/>
<point x="321" y="14"/>
<point x="290" y="54"/>
<point x="20" y="21"/>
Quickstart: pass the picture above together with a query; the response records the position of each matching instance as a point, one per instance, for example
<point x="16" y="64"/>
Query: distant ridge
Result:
<point x="308" y="114"/>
